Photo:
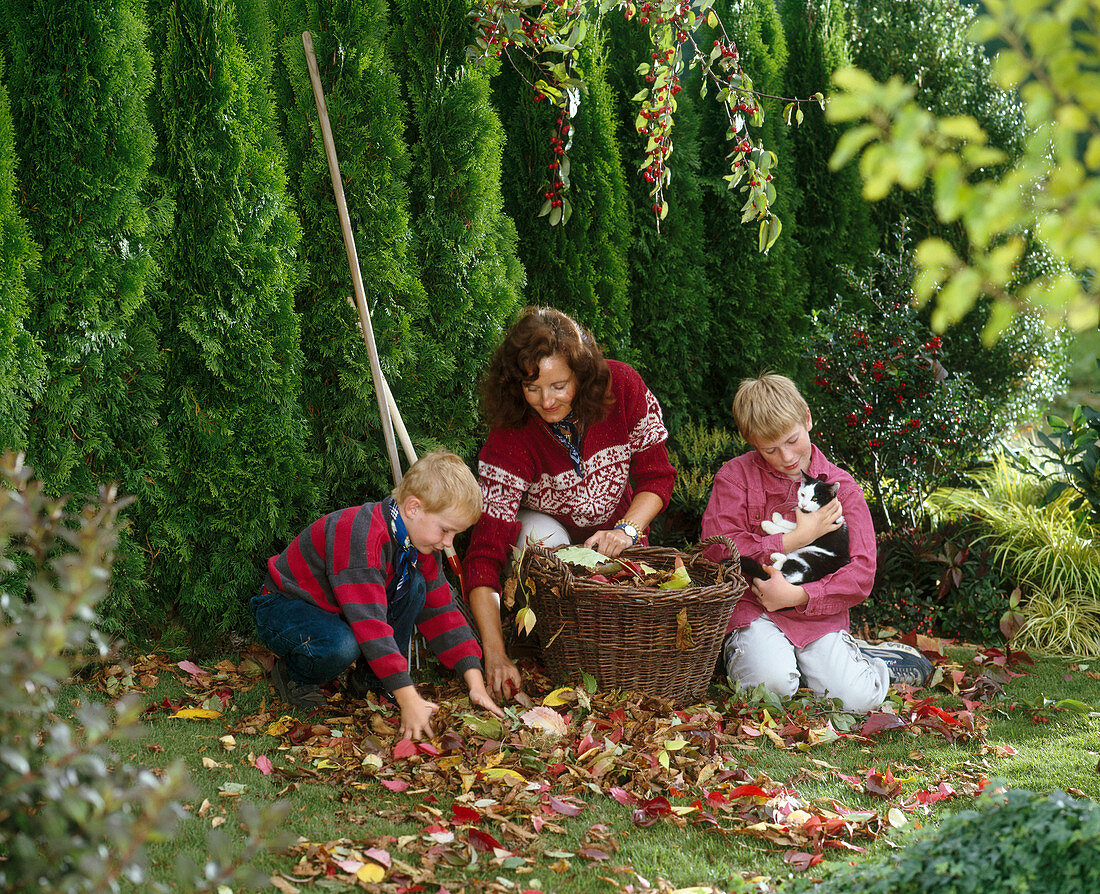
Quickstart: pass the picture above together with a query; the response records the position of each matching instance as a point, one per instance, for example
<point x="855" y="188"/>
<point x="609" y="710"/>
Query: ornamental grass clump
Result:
<point x="74" y="817"/>
<point x="1051" y="551"/>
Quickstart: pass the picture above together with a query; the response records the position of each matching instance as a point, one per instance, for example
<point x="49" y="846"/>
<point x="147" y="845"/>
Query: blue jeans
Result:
<point x="317" y="645"/>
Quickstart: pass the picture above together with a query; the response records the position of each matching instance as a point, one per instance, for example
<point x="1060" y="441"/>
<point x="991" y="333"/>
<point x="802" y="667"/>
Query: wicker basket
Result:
<point x="626" y="636"/>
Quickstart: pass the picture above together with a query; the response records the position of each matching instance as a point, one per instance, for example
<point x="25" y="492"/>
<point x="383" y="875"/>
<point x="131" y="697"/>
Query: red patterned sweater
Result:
<point x="342" y="564"/>
<point x="528" y="468"/>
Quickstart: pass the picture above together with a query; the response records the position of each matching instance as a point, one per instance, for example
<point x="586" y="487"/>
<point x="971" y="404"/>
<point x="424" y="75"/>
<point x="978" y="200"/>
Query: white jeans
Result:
<point x="832" y="666"/>
<point x="541" y="529"/>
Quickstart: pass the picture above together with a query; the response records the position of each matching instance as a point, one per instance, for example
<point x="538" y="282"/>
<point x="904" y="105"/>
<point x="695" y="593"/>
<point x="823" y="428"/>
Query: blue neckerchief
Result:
<point x="566" y="432"/>
<point x="404" y="560"/>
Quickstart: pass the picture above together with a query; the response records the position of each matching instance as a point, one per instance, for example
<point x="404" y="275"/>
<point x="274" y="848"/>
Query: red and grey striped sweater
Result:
<point x="343" y="562"/>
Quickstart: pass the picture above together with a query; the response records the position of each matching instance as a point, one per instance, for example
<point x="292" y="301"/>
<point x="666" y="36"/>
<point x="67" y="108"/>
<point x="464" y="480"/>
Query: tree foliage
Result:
<point x="78" y="81"/>
<point x="1047" y="191"/>
<point x="74" y="816"/>
<point x="580" y="269"/>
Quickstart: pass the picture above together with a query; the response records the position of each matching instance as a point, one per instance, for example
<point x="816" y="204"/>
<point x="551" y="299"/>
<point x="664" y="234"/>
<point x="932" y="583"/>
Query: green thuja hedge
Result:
<point x="670" y="294"/>
<point x="579" y="267"/>
<point x="759" y="305"/>
<point x="366" y="114"/>
<point x="834" y="226"/>
<point x="21" y="369"/>
<point x="78" y="81"/>
<point x="240" y="481"/>
<point x="463" y="242"/>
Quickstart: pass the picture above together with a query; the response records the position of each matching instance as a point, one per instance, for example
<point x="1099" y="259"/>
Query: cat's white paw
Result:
<point x="777" y="560"/>
<point x="777" y="525"/>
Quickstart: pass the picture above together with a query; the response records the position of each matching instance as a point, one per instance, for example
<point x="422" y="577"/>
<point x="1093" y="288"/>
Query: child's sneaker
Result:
<point x="906" y="664"/>
<point x="301" y="695"/>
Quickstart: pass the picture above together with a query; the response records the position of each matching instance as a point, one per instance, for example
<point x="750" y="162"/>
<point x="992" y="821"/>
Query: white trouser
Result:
<point x="832" y="666"/>
<point x="537" y="527"/>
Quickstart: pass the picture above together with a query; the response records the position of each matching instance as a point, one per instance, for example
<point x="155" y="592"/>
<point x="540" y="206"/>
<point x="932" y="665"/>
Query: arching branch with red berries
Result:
<point x="547" y="34"/>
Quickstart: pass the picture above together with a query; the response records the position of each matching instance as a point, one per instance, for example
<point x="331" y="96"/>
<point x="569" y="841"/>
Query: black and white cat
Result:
<point x="814" y="560"/>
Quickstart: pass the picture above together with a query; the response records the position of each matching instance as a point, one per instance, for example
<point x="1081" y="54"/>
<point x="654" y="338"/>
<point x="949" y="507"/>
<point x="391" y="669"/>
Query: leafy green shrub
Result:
<point x="1016" y="841"/>
<point x="943" y="581"/>
<point x="73" y="817"/>
<point x="697" y="453"/>
<point x="1070" y="461"/>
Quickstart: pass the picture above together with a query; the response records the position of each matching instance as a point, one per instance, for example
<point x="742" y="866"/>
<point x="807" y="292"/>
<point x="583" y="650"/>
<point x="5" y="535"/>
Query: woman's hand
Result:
<point x="475" y="682"/>
<point x="416" y="714"/>
<point x="502" y="677"/>
<point x="610" y="543"/>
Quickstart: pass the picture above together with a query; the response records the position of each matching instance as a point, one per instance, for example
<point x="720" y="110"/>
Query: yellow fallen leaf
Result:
<point x="501" y="773"/>
<point x="197" y="714"/>
<point x="326" y="764"/>
<point x="896" y="818"/>
<point x="280" y="726"/>
<point x="683" y="809"/>
<point x="684" y="641"/>
<point x="370" y="873"/>
<point x="675" y="744"/>
<point x="554" y="699"/>
<point x="228" y="742"/>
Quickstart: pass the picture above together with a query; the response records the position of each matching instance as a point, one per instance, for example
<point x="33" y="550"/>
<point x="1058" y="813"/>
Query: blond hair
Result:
<point x="443" y="483"/>
<point x="767" y="407"/>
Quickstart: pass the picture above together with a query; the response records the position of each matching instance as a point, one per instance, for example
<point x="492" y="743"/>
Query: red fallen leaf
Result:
<point x="932" y="710"/>
<point x="647" y="812"/>
<point x="404" y="748"/>
<point x="395" y="785"/>
<point x="599" y="578"/>
<point x="800" y="861"/>
<point x="586" y="744"/>
<point x="556" y="770"/>
<point x="263" y="764"/>
<point x="564" y="807"/>
<point x="593" y="853"/>
<point x="483" y="841"/>
<point x="747" y="791"/>
<point x="460" y="813"/>
<point x="538" y="822"/>
<point x="622" y="796"/>
<point x="882" y="784"/>
<point x="633" y="567"/>
<point x="716" y="798"/>
<point x="452" y="742"/>
<point x="752" y="731"/>
<point x="191" y="668"/>
<point x="880" y="721"/>
<point x="427" y="748"/>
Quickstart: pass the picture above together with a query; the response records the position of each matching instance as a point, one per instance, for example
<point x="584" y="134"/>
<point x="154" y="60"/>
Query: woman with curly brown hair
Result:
<point x="576" y="453"/>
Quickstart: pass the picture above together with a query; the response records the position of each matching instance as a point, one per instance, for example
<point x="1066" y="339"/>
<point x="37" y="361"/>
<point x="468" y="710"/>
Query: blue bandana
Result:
<point x="404" y="560"/>
<point x="566" y="433"/>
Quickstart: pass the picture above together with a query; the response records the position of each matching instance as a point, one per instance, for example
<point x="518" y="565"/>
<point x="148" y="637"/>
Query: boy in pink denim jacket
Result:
<point x="782" y="634"/>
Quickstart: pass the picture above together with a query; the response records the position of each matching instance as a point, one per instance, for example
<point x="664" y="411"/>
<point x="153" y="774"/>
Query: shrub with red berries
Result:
<point x="886" y="408"/>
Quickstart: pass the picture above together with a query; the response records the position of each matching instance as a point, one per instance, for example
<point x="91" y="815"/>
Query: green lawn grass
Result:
<point x="1055" y="746"/>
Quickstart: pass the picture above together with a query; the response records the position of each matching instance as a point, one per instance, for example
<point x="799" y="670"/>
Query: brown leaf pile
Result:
<point x="488" y="797"/>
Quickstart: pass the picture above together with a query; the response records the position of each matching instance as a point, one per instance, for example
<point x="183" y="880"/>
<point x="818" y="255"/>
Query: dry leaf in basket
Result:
<point x="684" y="642"/>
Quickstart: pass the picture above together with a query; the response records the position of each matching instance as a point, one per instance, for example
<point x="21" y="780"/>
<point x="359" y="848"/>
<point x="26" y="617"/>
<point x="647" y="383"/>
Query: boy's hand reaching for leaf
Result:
<point x="416" y="714"/>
